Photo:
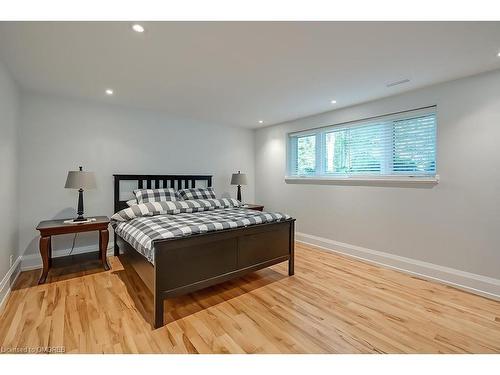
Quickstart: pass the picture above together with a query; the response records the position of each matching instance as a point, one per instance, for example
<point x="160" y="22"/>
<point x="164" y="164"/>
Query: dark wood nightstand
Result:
<point x="256" y="207"/>
<point x="51" y="228"/>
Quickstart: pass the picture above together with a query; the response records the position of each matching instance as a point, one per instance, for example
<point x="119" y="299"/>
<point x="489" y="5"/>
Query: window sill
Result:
<point x="369" y="181"/>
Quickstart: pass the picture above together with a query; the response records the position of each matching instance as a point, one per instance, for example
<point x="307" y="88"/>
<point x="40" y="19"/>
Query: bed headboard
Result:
<point x="156" y="181"/>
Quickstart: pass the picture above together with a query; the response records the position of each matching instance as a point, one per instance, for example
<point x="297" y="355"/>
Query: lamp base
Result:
<point x="238" y="194"/>
<point x="79" y="210"/>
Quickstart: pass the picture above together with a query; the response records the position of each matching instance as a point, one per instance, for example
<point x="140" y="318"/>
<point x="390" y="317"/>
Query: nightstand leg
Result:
<point x="103" y="247"/>
<point x="44" y="252"/>
<point x="50" y="252"/>
<point x="291" y="260"/>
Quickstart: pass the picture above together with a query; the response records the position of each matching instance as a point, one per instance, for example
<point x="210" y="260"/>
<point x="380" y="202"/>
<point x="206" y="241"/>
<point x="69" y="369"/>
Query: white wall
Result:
<point x="9" y="105"/>
<point x="454" y="224"/>
<point x="59" y="134"/>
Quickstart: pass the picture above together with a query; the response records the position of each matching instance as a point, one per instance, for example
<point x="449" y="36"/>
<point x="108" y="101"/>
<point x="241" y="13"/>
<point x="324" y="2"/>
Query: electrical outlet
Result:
<point x="11" y="260"/>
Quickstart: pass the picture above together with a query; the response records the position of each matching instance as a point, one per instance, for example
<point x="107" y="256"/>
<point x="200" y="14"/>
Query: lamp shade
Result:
<point x="80" y="180"/>
<point x="239" y="179"/>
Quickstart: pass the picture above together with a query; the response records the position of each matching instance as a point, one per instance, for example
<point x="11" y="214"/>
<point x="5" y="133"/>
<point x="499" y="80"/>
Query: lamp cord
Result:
<point x="73" y="245"/>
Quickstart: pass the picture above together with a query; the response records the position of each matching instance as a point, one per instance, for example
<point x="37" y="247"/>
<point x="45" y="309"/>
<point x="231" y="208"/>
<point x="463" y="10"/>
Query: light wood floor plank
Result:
<point x="333" y="304"/>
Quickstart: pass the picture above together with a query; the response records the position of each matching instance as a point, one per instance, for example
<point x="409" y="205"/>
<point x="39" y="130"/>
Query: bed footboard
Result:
<point x="185" y="265"/>
<point x="188" y="264"/>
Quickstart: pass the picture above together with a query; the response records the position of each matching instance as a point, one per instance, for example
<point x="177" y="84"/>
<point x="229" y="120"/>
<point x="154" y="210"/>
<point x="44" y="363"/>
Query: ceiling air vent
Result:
<point x="392" y="84"/>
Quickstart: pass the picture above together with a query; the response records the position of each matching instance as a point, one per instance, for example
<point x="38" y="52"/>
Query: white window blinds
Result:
<point x="403" y="144"/>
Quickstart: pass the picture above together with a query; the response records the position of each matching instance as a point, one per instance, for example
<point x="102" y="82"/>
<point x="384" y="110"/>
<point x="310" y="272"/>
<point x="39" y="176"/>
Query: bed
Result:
<point x="243" y="241"/>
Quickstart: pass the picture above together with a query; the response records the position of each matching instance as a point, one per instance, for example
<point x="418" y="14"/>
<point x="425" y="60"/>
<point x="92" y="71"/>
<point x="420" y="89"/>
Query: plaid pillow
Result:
<point x="155" y="195"/>
<point x="196" y="193"/>
<point x="131" y="202"/>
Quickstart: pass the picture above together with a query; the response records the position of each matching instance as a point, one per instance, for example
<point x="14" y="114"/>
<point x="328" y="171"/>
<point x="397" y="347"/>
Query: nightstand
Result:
<point x="51" y="228"/>
<point x="256" y="207"/>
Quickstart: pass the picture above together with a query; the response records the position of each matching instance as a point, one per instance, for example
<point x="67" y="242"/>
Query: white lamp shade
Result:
<point x="80" y="180"/>
<point x="239" y="179"/>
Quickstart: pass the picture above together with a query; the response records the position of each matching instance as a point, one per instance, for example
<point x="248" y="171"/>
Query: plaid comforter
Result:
<point x="142" y="229"/>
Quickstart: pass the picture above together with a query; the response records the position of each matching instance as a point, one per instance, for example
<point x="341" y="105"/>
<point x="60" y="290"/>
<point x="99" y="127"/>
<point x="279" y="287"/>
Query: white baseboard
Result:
<point x="477" y="284"/>
<point x="34" y="261"/>
<point x="9" y="280"/>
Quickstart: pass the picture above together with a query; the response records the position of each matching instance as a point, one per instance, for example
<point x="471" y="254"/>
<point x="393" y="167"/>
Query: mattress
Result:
<point x="140" y="232"/>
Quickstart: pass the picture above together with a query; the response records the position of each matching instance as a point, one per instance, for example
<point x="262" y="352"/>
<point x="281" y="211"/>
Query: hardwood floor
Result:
<point x="333" y="304"/>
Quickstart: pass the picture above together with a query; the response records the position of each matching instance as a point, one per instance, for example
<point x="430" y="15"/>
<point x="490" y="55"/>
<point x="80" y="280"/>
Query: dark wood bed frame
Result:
<point x="184" y="265"/>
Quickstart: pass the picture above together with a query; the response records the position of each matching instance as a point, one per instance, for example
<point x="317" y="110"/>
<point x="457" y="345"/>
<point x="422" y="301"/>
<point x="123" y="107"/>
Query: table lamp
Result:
<point x="239" y="179"/>
<point x="80" y="180"/>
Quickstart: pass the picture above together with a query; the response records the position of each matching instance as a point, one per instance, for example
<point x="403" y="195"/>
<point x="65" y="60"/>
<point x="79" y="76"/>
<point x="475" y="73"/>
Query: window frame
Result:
<point x="320" y="175"/>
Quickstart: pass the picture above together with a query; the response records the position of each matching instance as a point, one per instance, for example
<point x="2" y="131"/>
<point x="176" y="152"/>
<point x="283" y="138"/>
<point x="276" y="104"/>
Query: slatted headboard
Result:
<point x="156" y="181"/>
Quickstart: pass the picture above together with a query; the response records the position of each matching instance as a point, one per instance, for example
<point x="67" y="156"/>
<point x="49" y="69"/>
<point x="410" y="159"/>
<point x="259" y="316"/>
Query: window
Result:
<point x="306" y="154"/>
<point x="402" y="144"/>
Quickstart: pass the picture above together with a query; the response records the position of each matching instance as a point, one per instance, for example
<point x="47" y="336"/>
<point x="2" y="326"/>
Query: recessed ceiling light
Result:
<point x="498" y="54"/>
<point x="109" y="92"/>
<point x="137" y="28"/>
<point x="333" y="101"/>
<point x="261" y="121"/>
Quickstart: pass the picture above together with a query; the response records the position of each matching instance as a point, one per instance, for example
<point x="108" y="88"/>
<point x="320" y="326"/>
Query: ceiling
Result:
<point x="237" y="73"/>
